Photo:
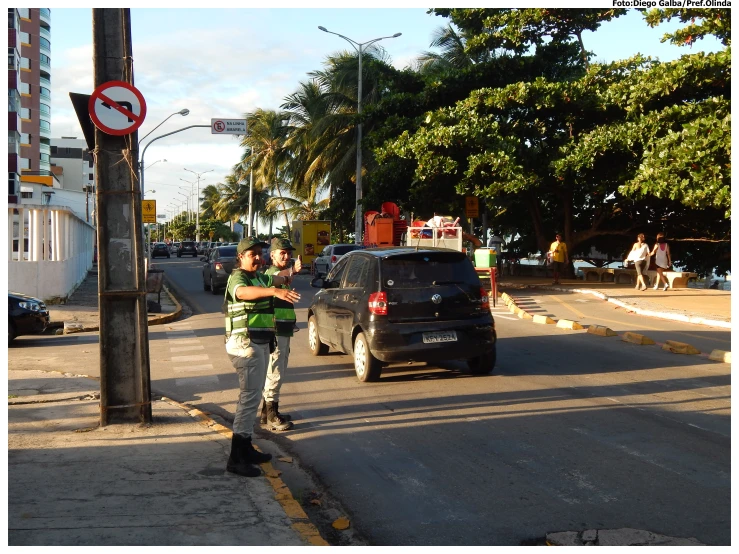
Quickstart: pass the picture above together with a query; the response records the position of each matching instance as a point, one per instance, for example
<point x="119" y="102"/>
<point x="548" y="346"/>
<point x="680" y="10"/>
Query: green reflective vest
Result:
<point x="256" y="318"/>
<point x="284" y="311"/>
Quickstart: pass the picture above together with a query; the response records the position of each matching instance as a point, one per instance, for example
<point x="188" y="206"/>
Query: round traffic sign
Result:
<point x="219" y="126"/>
<point x="117" y="108"/>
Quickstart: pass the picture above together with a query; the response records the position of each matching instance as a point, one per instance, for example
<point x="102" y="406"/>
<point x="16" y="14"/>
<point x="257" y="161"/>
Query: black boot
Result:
<point x="263" y="415"/>
<point x="275" y="421"/>
<point x="252" y="455"/>
<point x="237" y="462"/>
<point x="286" y="417"/>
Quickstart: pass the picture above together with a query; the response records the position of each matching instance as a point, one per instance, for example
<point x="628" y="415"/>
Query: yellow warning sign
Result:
<point x="149" y="211"/>
<point x="471" y="206"/>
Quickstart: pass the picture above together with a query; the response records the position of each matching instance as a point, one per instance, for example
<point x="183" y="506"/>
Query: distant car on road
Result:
<point x="173" y="247"/>
<point x="187" y="248"/>
<point x="26" y="315"/>
<point x="217" y="267"/>
<point x="331" y="255"/>
<point x="159" y="249"/>
<point x="402" y="304"/>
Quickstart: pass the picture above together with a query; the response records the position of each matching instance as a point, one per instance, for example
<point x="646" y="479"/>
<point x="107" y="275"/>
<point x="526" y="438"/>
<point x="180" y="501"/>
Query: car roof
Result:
<point x="388" y="251"/>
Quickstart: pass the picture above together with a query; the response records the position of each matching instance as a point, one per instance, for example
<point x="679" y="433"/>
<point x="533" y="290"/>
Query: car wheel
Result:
<point x="317" y="348"/>
<point x="167" y="256"/>
<point x="483" y="364"/>
<point x="179" y="255"/>
<point x="11" y="332"/>
<point x="213" y="288"/>
<point x="205" y="283"/>
<point x="366" y="366"/>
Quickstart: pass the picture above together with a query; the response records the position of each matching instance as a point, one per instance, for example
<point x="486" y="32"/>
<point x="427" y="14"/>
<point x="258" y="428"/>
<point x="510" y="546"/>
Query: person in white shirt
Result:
<point x="640" y="256"/>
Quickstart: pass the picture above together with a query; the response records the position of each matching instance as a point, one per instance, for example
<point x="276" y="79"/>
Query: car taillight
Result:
<point x="378" y="303"/>
<point x="485" y="300"/>
<point x="219" y="265"/>
<point x="333" y="259"/>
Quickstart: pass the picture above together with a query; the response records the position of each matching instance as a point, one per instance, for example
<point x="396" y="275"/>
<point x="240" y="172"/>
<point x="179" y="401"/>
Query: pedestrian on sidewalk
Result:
<point x="640" y="256"/>
<point x="663" y="260"/>
<point x="250" y="332"/>
<point x="285" y="320"/>
<point x="559" y="257"/>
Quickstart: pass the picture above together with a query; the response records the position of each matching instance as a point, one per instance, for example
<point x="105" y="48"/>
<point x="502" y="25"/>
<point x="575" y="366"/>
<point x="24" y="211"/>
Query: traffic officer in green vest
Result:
<point x="250" y="330"/>
<point x="285" y="319"/>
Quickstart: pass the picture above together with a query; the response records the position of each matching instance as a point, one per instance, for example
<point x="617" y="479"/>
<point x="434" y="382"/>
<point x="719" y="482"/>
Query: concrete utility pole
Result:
<point x="125" y="392"/>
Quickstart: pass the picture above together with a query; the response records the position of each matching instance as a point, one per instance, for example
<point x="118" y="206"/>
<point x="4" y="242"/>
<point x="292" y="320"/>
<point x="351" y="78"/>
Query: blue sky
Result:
<point x="223" y="62"/>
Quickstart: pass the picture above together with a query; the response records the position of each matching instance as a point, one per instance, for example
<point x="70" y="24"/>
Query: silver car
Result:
<point x="330" y="255"/>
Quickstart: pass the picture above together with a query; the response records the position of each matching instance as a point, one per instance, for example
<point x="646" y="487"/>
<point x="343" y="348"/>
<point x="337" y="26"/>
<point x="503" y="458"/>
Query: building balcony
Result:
<point x="45" y="15"/>
<point x="45" y="66"/>
<point x="45" y="82"/>
<point x="44" y="148"/>
<point x="44" y="133"/>
<point x="45" y="33"/>
<point x="44" y="166"/>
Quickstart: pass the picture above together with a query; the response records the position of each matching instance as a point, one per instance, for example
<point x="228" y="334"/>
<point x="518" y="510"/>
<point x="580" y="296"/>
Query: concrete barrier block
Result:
<point x="512" y="308"/>
<point x="636" y="338"/>
<point x="680" y="347"/>
<point x="601" y="331"/>
<point x="569" y="324"/>
<point x="544" y="319"/>
<point x="524" y="315"/>
<point x="720" y="356"/>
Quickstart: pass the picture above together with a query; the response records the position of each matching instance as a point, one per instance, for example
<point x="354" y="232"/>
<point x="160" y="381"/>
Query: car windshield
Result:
<point x="227" y="251"/>
<point x="425" y="269"/>
<point x="342" y="249"/>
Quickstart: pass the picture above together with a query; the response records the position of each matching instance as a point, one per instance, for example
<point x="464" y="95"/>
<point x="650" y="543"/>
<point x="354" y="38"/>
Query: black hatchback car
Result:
<point x="26" y="315"/>
<point x="187" y="248"/>
<point x="159" y="249"/>
<point x="402" y="304"/>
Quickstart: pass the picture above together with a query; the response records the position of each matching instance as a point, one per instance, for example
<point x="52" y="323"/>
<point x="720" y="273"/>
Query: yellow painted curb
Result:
<point x="680" y="347"/>
<point x="720" y="356"/>
<point x="512" y="308"/>
<point x="568" y="324"/>
<point x="543" y="319"/>
<point x="601" y="331"/>
<point x="524" y="315"/>
<point x="636" y="338"/>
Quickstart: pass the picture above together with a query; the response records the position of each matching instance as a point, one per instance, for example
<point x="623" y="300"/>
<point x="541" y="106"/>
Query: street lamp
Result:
<point x="187" y="200"/>
<point x="359" y="47"/>
<point x="197" y="213"/>
<point x="182" y="112"/>
<point x="156" y="162"/>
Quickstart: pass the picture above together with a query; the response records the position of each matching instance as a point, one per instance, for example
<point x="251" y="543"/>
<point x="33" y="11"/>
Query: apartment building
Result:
<point x="29" y="99"/>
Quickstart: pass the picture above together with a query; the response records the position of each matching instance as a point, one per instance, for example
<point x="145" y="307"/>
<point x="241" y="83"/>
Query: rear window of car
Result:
<point x="188" y="244"/>
<point x="227" y="251"/>
<point x="343" y="249"/>
<point x="413" y="270"/>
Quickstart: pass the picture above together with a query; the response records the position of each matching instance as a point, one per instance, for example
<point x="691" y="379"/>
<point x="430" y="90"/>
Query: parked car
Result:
<point x="187" y="248"/>
<point x="159" y="249"/>
<point x="26" y="315"/>
<point x="203" y="247"/>
<point x="174" y="247"/>
<point x="402" y="304"/>
<point x="217" y="267"/>
<point x="330" y="256"/>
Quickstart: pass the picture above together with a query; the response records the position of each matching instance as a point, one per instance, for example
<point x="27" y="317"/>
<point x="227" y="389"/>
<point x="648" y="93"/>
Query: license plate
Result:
<point x="440" y="336"/>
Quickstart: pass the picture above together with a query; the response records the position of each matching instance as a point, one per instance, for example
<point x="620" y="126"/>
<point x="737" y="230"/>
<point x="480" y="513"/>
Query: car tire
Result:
<point x="213" y="288"/>
<point x="483" y="364"/>
<point x="316" y="347"/>
<point x="11" y="332"/>
<point x="366" y="366"/>
<point x="167" y="256"/>
<point x="179" y="255"/>
<point x="205" y="283"/>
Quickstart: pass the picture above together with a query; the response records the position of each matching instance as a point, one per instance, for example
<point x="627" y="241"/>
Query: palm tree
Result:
<point x="211" y="197"/>
<point x="234" y="200"/>
<point x="299" y="209"/>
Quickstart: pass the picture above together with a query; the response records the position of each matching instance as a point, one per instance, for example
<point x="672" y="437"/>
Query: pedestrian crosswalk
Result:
<point x="188" y="356"/>
<point x="501" y="312"/>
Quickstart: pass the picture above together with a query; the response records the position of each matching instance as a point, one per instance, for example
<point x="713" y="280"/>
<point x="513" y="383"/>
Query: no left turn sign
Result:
<point x="117" y="108"/>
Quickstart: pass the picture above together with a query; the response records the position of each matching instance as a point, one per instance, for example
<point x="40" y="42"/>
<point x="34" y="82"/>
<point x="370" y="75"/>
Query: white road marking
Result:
<point x="582" y="300"/>
<point x="184" y="341"/>
<point x="184" y="348"/>
<point x="190" y="358"/>
<point x="506" y="317"/>
<point x="197" y="367"/>
<point x="183" y="333"/>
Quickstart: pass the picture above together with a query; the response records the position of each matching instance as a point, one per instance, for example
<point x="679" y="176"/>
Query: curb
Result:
<point x="300" y="521"/>
<point x="156" y="320"/>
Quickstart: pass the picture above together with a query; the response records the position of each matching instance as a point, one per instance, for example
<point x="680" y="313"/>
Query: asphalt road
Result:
<point x="571" y="432"/>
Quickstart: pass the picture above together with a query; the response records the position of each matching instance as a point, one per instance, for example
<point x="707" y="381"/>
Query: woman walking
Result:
<point x="663" y="260"/>
<point x="640" y="256"/>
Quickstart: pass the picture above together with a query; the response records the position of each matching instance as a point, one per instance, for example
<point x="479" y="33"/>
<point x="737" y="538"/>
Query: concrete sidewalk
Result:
<point x="699" y="306"/>
<point x="71" y="482"/>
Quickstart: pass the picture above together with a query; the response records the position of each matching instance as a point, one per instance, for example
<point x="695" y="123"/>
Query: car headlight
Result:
<point x="32" y="306"/>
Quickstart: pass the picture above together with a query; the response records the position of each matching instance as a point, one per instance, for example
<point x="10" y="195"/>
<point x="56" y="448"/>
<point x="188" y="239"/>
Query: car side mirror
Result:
<point x="318" y="283"/>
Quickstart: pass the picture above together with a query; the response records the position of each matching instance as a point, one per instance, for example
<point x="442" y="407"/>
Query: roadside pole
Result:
<point x="125" y="391"/>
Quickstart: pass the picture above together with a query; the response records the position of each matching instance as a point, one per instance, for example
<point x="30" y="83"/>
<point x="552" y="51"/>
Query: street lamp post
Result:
<point x="197" y="198"/>
<point x="359" y="47"/>
<point x="187" y="200"/>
